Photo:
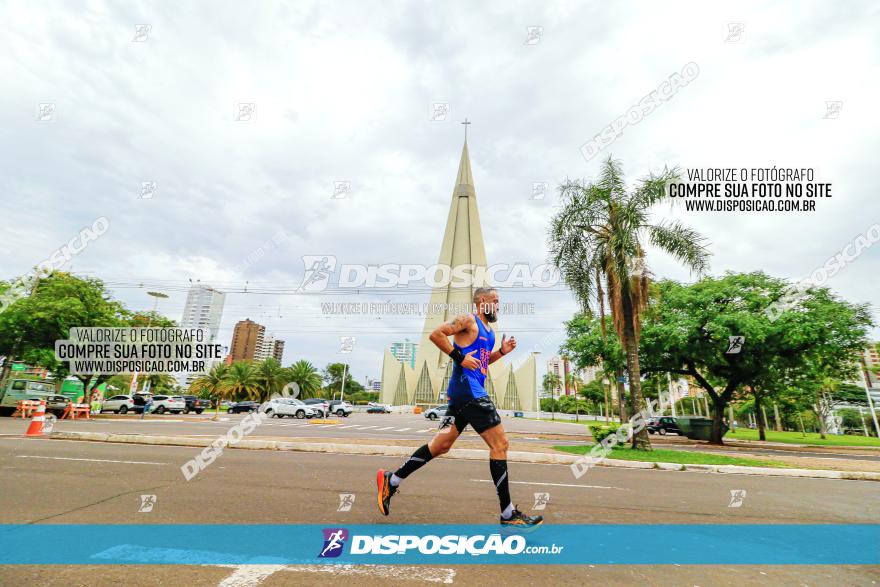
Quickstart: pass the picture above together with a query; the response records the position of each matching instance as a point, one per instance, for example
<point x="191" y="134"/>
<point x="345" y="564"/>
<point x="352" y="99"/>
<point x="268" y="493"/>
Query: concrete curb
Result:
<point x="456" y="453"/>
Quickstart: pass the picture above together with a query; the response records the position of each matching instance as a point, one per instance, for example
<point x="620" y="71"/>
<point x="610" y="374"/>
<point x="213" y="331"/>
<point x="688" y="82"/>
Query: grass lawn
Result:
<point x="797" y="438"/>
<point x="675" y="456"/>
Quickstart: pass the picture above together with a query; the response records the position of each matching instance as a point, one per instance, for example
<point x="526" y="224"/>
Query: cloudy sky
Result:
<point x="345" y="92"/>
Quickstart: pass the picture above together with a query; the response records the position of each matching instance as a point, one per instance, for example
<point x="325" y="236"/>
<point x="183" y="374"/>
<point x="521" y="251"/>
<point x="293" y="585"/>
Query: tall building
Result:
<point x="426" y="382"/>
<point x="247" y="340"/>
<point x="203" y="309"/>
<point x="871" y="358"/>
<point x="555" y="366"/>
<point x="267" y="349"/>
<point x="278" y="350"/>
<point x="405" y="352"/>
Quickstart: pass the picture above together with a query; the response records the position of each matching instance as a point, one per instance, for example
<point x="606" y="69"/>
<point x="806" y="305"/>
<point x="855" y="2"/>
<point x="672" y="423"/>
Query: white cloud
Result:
<point x="343" y="93"/>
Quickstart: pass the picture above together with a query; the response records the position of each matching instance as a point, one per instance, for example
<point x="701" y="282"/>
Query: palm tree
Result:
<point x="571" y="382"/>
<point x="212" y="383"/>
<point x="306" y="376"/>
<point x="271" y="376"/>
<point x="597" y="240"/>
<point x="241" y="380"/>
<point x="551" y="383"/>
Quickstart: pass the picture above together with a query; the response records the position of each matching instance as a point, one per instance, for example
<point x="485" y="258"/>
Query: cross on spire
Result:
<point x="465" y="123"/>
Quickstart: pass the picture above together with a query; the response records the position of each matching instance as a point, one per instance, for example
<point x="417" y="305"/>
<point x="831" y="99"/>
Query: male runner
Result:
<point x="468" y="404"/>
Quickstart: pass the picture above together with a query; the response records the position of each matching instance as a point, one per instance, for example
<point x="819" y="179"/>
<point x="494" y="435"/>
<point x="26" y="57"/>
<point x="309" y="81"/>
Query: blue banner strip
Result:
<point x="550" y="544"/>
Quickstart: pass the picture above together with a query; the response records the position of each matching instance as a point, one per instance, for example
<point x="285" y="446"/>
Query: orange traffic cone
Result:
<point x="36" y="427"/>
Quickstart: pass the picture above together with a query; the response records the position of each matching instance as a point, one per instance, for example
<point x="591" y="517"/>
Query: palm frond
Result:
<point x="683" y="243"/>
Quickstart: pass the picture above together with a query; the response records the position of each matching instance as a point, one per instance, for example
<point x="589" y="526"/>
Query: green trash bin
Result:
<point x="698" y="427"/>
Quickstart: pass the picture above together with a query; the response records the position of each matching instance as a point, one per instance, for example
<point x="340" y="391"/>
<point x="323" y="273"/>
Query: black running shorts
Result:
<point x="480" y="413"/>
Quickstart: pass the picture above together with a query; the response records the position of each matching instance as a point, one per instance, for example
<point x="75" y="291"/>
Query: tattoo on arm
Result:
<point x="456" y="325"/>
<point x="441" y="334"/>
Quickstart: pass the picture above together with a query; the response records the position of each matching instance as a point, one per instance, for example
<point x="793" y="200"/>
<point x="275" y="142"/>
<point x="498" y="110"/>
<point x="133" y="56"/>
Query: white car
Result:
<point x="118" y="403"/>
<point x="292" y="408"/>
<point x="165" y="403"/>
<point x="341" y="408"/>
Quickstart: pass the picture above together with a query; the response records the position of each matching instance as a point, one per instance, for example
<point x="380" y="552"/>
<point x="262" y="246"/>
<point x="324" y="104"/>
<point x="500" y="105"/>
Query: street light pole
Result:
<point x="156" y="295"/>
<point x="342" y="387"/>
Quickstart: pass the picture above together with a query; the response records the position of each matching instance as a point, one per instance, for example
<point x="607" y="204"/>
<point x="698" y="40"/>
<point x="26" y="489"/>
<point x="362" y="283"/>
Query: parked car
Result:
<point x="438" y="412"/>
<point x="240" y="407"/>
<point x="57" y="404"/>
<point x="663" y="425"/>
<point x="378" y="409"/>
<point x="288" y="406"/>
<point x="321" y="406"/>
<point x="119" y="404"/>
<point x="167" y="403"/>
<point x="341" y="408"/>
<point x="195" y="404"/>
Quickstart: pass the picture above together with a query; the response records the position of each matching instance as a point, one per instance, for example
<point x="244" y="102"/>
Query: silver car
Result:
<point x="436" y="413"/>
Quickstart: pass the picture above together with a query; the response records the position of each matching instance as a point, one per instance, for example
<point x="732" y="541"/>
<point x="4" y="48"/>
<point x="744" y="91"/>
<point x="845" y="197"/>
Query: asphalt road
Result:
<point x="358" y="425"/>
<point x="381" y="427"/>
<point x="51" y="481"/>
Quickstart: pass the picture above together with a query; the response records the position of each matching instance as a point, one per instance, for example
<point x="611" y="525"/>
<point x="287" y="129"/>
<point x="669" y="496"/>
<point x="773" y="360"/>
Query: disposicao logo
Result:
<point x="334" y="541"/>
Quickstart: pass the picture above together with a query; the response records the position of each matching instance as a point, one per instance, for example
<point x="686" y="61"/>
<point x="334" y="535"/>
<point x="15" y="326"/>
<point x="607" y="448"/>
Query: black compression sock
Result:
<point x="418" y="458"/>
<point x="499" y="476"/>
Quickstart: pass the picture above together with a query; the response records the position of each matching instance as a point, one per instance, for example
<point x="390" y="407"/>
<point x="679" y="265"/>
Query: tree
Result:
<point x="550" y="384"/>
<point x="306" y="376"/>
<point x="30" y="325"/>
<point x="589" y="345"/>
<point x="158" y="382"/>
<point x="593" y="392"/>
<point x="241" y="380"/>
<point x="333" y="379"/>
<point x="598" y="238"/>
<point x="823" y="394"/>
<point x="214" y="384"/>
<point x="688" y="330"/>
<point x="271" y="376"/>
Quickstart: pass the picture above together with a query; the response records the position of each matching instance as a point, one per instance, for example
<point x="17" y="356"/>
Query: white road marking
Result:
<point x="90" y="460"/>
<point x="350" y="426"/>
<point x="555" y="484"/>
<point x="386" y="428"/>
<point x="364" y="427"/>
<point x="402" y="429"/>
<point x="251" y="575"/>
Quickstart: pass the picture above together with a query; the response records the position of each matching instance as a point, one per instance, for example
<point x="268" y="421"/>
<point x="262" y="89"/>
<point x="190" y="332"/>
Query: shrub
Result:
<point x="601" y="431"/>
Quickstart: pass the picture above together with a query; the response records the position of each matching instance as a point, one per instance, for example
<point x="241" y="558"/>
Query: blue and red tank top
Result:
<point x="468" y="384"/>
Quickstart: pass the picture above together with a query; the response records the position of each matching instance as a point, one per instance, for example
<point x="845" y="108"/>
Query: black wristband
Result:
<point x="456" y="355"/>
<point x="501" y="351"/>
